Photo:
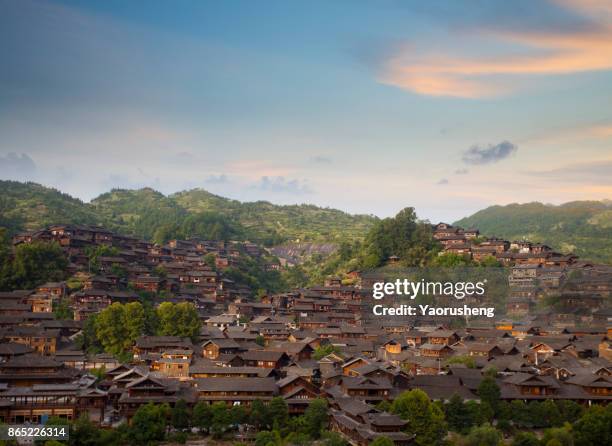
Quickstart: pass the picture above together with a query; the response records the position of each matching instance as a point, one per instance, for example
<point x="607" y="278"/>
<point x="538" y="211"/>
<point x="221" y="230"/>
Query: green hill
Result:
<point x="30" y="206"/>
<point x="581" y="227"/>
<point x="294" y="222"/>
<point x="150" y="214"/>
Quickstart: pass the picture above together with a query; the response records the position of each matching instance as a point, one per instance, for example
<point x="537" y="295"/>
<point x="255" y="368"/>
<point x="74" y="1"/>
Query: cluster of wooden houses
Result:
<point x="251" y="350"/>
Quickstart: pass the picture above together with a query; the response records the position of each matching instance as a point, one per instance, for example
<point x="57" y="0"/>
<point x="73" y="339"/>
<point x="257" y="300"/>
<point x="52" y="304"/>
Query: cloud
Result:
<point x="15" y="166"/>
<point x="217" y="179"/>
<point x="523" y="55"/>
<point x="282" y="185"/>
<point x="594" y="172"/>
<point x="442" y="182"/>
<point x="477" y="155"/>
<point x="321" y="160"/>
<point x="462" y="171"/>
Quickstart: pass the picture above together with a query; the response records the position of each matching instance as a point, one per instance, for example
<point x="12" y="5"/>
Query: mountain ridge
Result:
<point x="146" y="212"/>
<point x="581" y="227"/>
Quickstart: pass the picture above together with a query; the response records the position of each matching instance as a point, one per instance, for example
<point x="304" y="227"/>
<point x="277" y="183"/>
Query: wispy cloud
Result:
<point x="493" y="153"/>
<point x="283" y="185"/>
<point x="462" y="171"/>
<point x="216" y="179"/>
<point x="534" y="52"/>
<point x="593" y="172"/>
<point x="442" y="182"/>
<point x="319" y="159"/>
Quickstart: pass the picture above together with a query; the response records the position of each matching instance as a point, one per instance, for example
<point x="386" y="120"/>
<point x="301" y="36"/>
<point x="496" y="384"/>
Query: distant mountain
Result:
<point x="30" y="206"/>
<point x="581" y="227"/>
<point x="150" y="214"/>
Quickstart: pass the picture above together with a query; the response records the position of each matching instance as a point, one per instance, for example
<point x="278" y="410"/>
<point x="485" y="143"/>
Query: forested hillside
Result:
<point x="581" y="227"/>
<point x="152" y="215"/>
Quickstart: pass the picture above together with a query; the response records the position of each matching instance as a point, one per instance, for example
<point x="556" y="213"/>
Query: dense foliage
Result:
<point x="581" y="227"/>
<point x="116" y="328"/>
<point x="150" y="214"/>
<point x="31" y="265"/>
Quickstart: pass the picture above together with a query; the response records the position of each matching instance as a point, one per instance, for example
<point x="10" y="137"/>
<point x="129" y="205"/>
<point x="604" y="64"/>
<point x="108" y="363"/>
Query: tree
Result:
<point x="383" y="441"/>
<point x="451" y="260"/>
<point x="259" y="415"/>
<point x="404" y="236"/>
<point x="180" y="415"/>
<point x="178" y="320"/>
<point x="545" y="414"/>
<point x="525" y="439"/>
<point x="201" y="416"/>
<point x="34" y="264"/>
<point x="425" y="420"/>
<point x="221" y="419"/>
<point x="333" y="439"/>
<point x="485" y="435"/>
<point x="118" y="326"/>
<point x="323" y="350"/>
<point x="468" y="361"/>
<point x="265" y="438"/>
<point x="316" y="418"/>
<point x="457" y="416"/>
<point x="570" y="410"/>
<point x="489" y="393"/>
<point x="84" y="432"/>
<point x="594" y="428"/>
<point x="62" y="310"/>
<point x="134" y="317"/>
<point x="111" y="330"/>
<point x="278" y="412"/>
<point x="519" y="413"/>
<point x="149" y="424"/>
<point x="260" y="340"/>
<point x="560" y="435"/>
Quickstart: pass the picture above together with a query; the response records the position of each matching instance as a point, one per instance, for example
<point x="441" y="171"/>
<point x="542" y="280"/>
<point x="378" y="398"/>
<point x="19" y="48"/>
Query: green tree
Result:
<point x="485" y="435"/>
<point x="323" y="350"/>
<point x="62" y="310"/>
<point x="180" y="415"/>
<point x="468" y="361"/>
<point x="260" y="340"/>
<point x="403" y="236"/>
<point x="425" y="420"/>
<point x="383" y="441"/>
<point x="594" y="428"/>
<point x="489" y="393"/>
<point x="84" y="432"/>
<point x="134" y="319"/>
<point x="266" y="438"/>
<point x="149" y="424"/>
<point x="458" y="417"/>
<point x="259" y="414"/>
<point x="178" y="320"/>
<point x="34" y="264"/>
<point x="111" y="330"/>
<point x="561" y="435"/>
<point x="221" y="419"/>
<point x="201" y="416"/>
<point x="570" y="410"/>
<point x="525" y="439"/>
<point x="316" y="418"/>
<point x="451" y="260"/>
<point x="333" y="439"/>
<point x="118" y="326"/>
<point x="278" y="411"/>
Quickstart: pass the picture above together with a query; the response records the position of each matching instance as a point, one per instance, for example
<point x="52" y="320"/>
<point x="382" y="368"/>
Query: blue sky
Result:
<point x="364" y="106"/>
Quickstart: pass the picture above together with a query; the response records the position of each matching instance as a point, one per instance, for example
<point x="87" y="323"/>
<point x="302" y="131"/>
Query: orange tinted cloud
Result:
<point x="548" y="53"/>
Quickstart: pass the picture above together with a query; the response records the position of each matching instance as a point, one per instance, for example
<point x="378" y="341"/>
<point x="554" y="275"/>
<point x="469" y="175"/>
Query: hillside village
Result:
<point x="301" y="345"/>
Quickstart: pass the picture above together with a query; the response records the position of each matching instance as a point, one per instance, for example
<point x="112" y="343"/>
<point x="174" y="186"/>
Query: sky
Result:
<point x="364" y="106"/>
